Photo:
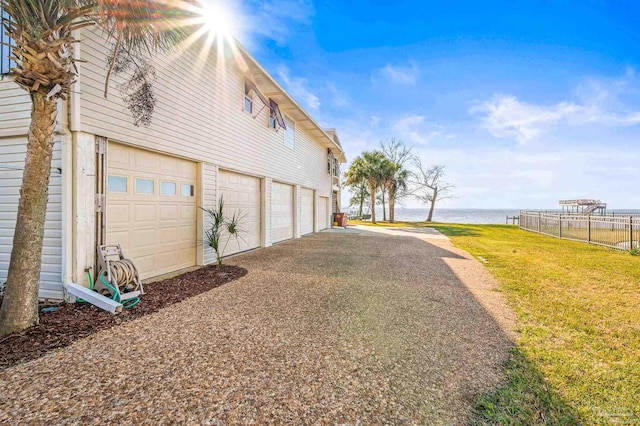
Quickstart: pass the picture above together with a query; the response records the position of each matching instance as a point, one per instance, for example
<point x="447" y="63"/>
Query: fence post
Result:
<point x="560" y="226"/>
<point x="589" y="228"/>
<point x="539" y="216"/>
<point x="630" y="232"/>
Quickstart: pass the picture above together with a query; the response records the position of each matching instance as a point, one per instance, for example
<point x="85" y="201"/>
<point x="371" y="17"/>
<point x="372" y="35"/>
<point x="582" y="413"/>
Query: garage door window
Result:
<point x="167" y="188"/>
<point x="117" y="184"/>
<point x="144" y="186"/>
<point x="186" y="190"/>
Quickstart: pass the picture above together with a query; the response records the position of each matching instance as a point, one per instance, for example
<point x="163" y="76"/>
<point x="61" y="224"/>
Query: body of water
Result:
<point x="475" y="216"/>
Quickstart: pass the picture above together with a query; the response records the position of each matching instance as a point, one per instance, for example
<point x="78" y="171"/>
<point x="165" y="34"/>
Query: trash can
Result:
<point x="340" y="218"/>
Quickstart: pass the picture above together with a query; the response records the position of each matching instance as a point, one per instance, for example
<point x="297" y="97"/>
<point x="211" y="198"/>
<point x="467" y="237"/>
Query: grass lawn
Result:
<point x="578" y="306"/>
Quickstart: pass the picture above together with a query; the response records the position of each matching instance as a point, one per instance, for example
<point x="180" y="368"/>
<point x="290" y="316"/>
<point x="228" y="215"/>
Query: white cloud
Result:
<point x="506" y="116"/>
<point x="298" y="87"/>
<point x="400" y="74"/>
<point x="338" y="97"/>
<point x="275" y="19"/>
<point x="415" y="129"/>
<point x="599" y="102"/>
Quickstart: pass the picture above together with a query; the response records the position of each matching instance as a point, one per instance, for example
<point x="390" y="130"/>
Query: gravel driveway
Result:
<point x="329" y="329"/>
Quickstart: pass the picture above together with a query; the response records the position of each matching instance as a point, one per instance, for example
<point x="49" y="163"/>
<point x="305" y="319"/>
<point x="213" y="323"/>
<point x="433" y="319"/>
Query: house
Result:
<point x="222" y="127"/>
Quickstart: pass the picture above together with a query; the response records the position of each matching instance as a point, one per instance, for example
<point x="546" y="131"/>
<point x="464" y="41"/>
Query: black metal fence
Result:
<point x="617" y="231"/>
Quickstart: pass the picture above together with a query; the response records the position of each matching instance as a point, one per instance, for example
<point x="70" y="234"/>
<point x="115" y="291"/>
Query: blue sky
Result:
<point x="525" y="102"/>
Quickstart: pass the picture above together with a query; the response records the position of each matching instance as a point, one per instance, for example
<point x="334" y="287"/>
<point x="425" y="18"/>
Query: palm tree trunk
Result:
<point x="372" y="191"/>
<point x="392" y="206"/>
<point x="384" y="207"/>
<point x="20" y="306"/>
<point x="361" y="200"/>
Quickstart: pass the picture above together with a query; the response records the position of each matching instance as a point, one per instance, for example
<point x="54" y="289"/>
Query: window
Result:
<point x="5" y="51"/>
<point x="273" y="122"/>
<point x="116" y="184"/>
<point x="144" y="186"/>
<point x="187" y="190"/>
<point x="248" y="98"/>
<point x="289" y="133"/>
<point x="167" y="188"/>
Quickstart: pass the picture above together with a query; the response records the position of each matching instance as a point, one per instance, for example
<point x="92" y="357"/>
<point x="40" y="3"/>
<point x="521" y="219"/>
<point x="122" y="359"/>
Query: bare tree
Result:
<point x="397" y="151"/>
<point x="397" y="175"/>
<point x="430" y="185"/>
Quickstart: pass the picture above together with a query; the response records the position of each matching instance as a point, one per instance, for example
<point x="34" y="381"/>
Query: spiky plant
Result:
<point x="43" y="33"/>
<point x="219" y="224"/>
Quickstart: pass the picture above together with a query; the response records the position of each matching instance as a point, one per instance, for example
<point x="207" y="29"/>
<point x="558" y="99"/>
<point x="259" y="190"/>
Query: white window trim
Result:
<point x="291" y="126"/>
<point x="246" y="96"/>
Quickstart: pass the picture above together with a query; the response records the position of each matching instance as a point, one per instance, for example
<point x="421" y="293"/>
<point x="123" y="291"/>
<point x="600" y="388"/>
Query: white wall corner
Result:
<point x="297" y="210"/>
<point x="200" y="201"/>
<point x="316" y="203"/>
<point x="265" y="212"/>
<point x="83" y="199"/>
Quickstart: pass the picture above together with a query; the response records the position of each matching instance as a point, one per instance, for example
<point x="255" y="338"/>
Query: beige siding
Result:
<point x="212" y="126"/>
<point x="15" y="109"/>
<point x="12" y="156"/>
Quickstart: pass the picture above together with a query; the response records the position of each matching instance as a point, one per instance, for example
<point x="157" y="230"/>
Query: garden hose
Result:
<point x="127" y="304"/>
<point x="123" y="272"/>
<point x="88" y="271"/>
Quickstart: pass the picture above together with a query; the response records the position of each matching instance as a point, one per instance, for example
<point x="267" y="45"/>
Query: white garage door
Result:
<point x="306" y="211"/>
<point x="323" y="215"/>
<point x="12" y="156"/>
<point x="241" y="195"/>
<point x="281" y="212"/>
<point x="151" y="209"/>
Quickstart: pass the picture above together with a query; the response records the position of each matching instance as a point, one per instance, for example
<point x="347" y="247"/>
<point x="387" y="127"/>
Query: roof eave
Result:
<point x="289" y="106"/>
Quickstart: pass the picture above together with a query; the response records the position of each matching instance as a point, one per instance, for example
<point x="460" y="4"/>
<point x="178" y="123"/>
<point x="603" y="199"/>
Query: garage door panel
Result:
<point x="118" y="214"/>
<point x="241" y="194"/>
<point x="281" y="212"/>
<point x="306" y="211"/>
<point x="119" y="156"/>
<point x="144" y="213"/>
<point x="145" y="238"/>
<point x="188" y="213"/>
<point x="323" y="206"/>
<point x="168" y="212"/>
<point x="158" y="232"/>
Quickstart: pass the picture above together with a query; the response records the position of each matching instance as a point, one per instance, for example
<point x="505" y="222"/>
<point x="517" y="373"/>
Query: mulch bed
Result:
<point x="73" y="321"/>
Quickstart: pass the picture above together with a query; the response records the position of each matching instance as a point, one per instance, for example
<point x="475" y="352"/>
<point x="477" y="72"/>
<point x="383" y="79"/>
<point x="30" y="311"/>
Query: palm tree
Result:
<point x="397" y="183"/>
<point x="355" y="178"/>
<point x="43" y="33"/>
<point x="374" y="165"/>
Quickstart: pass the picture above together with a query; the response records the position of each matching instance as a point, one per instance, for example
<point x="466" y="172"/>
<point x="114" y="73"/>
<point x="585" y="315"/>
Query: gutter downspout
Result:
<point x="70" y="129"/>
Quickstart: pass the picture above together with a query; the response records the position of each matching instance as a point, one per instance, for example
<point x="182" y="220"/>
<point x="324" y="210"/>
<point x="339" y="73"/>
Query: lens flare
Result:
<point x="218" y="20"/>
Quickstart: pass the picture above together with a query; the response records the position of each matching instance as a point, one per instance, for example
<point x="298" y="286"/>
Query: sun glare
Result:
<point x="218" y="19"/>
